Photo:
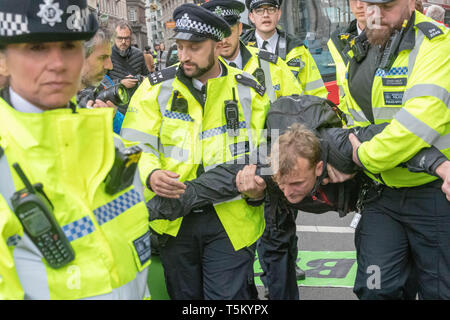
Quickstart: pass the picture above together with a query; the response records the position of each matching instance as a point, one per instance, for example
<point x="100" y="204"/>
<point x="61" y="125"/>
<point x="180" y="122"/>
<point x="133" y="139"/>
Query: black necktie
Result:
<point x="232" y="64"/>
<point x="264" y="45"/>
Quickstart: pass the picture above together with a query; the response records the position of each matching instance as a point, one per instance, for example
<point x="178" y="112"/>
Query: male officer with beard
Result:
<point x="399" y="74"/>
<point x="189" y="119"/>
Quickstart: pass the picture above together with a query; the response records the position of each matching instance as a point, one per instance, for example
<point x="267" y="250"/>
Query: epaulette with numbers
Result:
<point x="247" y="81"/>
<point x="429" y="29"/>
<point x="163" y="75"/>
<point x="268" y="56"/>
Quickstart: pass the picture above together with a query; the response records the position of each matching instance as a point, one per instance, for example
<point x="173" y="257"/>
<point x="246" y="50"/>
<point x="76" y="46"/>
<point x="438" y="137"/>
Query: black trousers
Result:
<point x="277" y="253"/>
<point x="201" y="263"/>
<point x="405" y="230"/>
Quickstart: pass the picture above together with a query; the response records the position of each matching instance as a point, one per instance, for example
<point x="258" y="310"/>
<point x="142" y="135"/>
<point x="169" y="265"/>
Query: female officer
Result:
<point x="77" y="234"/>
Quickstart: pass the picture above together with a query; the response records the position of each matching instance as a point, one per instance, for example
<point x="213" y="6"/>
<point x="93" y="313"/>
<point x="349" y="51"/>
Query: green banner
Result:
<point x="323" y="268"/>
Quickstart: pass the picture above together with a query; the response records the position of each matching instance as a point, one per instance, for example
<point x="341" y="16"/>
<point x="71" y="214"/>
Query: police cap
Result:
<point x="253" y="4"/>
<point x="45" y="21"/>
<point x="194" y="23"/>
<point x="230" y="10"/>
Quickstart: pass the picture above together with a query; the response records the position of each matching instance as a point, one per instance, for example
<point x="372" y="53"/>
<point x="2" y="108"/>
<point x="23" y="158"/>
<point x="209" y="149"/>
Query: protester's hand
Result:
<point x="355" y="143"/>
<point x="444" y="172"/>
<point x="335" y="176"/>
<point x="101" y="104"/>
<point x="165" y="184"/>
<point x="129" y="82"/>
<point x="249" y="184"/>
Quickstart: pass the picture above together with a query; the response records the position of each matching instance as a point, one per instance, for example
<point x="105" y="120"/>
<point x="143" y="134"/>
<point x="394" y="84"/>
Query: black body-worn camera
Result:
<point x="122" y="173"/>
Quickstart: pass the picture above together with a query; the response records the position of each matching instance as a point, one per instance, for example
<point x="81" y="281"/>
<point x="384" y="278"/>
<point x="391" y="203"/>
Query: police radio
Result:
<point x="232" y="116"/>
<point x="391" y="48"/>
<point x="122" y="172"/>
<point x="35" y="212"/>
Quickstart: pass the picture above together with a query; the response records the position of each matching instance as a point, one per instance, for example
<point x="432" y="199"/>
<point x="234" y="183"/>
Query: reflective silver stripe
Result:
<point x="207" y="168"/>
<point x="245" y="98"/>
<point x="413" y="54"/>
<point x="165" y="92"/>
<point x="385" y="112"/>
<point x="265" y="66"/>
<point x="177" y="153"/>
<point x="423" y="90"/>
<point x="139" y="136"/>
<point x="358" y="115"/>
<point x="239" y="197"/>
<point x="313" y="85"/>
<point x="145" y="140"/>
<point x="350" y="121"/>
<point x="7" y="187"/>
<point x="31" y="270"/>
<point x="418" y="127"/>
<point x="118" y="143"/>
<point x="443" y="142"/>
<point x="341" y="90"/>
<point x="33" y="277"/>
<point x="136" y="289"/>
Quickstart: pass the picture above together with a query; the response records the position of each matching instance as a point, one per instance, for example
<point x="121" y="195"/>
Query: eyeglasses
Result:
<point x="126" y="39"/>
<point x="270" y="10"/>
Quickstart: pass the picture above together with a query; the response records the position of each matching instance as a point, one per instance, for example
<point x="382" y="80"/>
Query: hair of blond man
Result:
<point x="297" y="141"/>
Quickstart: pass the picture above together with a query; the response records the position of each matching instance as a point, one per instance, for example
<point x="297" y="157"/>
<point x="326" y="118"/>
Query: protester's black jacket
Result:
<point x="219" y="184"/>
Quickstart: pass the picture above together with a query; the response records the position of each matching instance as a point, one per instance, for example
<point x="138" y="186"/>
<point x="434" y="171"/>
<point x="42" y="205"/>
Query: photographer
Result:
<point x="97" y="52"/>
<point x="128" y="62"/>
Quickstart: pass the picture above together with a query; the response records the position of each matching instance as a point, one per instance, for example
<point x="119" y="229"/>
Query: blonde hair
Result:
<point x="297" y="141"/>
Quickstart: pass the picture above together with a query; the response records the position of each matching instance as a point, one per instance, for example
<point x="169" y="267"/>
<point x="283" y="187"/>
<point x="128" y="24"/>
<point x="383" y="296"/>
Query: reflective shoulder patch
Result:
<point x="163" y="75"/>
<point x="143" y="248"/>
<point x="394" y="82"/>
<point x="268" y="56"/>
<point x="246" y="81"/>
<point x="393" y="98"/>
<point x="430" y="30"/>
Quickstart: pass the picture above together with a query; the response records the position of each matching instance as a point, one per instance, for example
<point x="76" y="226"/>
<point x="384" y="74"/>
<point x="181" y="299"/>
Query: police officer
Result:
<point x="102" y="248"/>
<point x="189" y="119"/>
<point x="337" y="45"/>
<point x="279" y="267"/>
<point x="265" y="15"/>
<point x="269" y="69"/>
<point x="403" y="79"/>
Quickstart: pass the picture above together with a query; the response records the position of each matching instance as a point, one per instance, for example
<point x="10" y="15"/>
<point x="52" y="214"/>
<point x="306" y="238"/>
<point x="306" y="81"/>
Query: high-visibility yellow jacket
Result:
<point x="71" y="155"/>
<point x="336" y="46"/>
<point x="278" y="79"/>
<point x="413" y="96"/>
<point x="182" y="140"/>
<point x="299" y="60"/>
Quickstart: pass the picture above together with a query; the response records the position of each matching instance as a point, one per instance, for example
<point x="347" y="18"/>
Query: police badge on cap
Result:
<point x="253" y="4"/>
<point x="194" y="23"/>
<point x="229" y="10"/>
<point x="45" y="21"/>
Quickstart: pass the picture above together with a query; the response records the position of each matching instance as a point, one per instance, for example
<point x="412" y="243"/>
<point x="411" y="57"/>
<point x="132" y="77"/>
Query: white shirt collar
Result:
<point x="357" y="28"/>
<point x="237" y="60"/>
<point x="22" y="105"/>
<point x="272" y="42"/>
<point x="199" y="85"/>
